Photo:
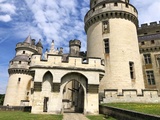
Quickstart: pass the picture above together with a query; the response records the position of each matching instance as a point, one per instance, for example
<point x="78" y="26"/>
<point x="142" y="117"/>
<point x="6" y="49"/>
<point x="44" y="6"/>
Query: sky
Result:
<point x="58" y="20"/>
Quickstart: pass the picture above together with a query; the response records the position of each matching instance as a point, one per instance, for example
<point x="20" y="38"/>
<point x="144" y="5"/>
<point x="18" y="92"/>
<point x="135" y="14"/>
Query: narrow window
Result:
<point x="150" y="77"/>
<point x="147" y="58"/>
<point x="93" y="9"/>
<point x="115" y="4"/>
<point x="19" y="79"/>
<point x="152" y="42"/>
<point x="23" y="52"/>
<point x="143" y="43"/>
<point x="104" y="5"/>
<point x="106" y="43"/>
<point x="145" y="33"/>
<point x="19" y="62"/>
<point x="95" y="2"/>
<point x="132" y="72"/>
<point x="127" y="5"/>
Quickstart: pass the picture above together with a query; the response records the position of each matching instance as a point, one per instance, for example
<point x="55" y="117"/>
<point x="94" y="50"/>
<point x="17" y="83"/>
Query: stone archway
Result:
<point x="74" y="86"/>
<point x="46" y="89"/>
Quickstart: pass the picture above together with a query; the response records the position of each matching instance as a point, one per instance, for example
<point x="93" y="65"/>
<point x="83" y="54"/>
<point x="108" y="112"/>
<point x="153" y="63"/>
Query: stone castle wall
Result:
<point x="128" y="95"/>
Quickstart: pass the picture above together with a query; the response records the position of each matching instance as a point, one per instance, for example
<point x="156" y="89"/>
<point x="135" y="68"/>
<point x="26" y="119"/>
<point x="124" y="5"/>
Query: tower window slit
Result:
<point x="106" y="43"/>
<point x="104" y="5"/>
<point x="115" y="4"/>
<point x="19" y="79"/>
<point x="127" y="5"/>
<point x="132" y="71"/>
<point x="152" y="42"/>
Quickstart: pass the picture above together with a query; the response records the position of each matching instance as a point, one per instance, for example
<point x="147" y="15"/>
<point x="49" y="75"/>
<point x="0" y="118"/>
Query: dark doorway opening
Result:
<point x="45" y="104"/>
<point x="73" y="97"/>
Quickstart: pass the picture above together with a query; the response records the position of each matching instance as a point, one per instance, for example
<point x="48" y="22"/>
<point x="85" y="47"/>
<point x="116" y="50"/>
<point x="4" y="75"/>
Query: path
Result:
<point x="74" y="116"/>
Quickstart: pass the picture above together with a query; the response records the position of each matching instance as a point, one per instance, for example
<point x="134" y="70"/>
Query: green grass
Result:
<point x="8" y="115"/>
<point x="98" y="117"/>
<point x="153" y="109"/>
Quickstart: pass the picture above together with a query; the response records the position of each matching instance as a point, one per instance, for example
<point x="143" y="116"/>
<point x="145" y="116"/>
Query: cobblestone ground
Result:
<point x="74" y="116"/>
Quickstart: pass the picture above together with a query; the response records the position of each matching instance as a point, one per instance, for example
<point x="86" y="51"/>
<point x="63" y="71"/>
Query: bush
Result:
<point x="1" y="99"/>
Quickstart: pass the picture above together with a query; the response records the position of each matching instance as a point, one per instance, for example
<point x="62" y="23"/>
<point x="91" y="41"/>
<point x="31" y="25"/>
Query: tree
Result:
<point x="1" y="99"/>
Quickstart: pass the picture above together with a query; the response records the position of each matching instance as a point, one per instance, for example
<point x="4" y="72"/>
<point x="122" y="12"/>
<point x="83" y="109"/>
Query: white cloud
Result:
<point x="147" y="9"/>
<point x="59" y="20"/>
<point x="5" y="18"/>
<point x="7" y="8"/>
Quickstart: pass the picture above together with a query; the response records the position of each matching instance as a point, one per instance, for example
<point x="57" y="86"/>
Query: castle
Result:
<point x="119" y="65"/>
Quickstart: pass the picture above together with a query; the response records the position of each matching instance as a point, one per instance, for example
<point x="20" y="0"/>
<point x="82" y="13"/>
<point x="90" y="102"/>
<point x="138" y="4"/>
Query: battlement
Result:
<point x="72" y="63"/>
<point x="19" y="65"/>
<point x="106" y="10"/>
<point x="26" y="45"/>
<point x="93" y="3"/>
<point x="74" y="43"/>
<point x="131" y="95"/>
<point x="150" y="25"/>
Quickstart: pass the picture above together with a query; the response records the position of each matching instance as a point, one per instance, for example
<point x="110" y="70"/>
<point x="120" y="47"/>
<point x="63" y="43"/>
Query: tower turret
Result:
<point x="74" y="46"/>
<point x="20" y="78"/>
<point x="39" y="47"/>
<point x="111" y="35"/>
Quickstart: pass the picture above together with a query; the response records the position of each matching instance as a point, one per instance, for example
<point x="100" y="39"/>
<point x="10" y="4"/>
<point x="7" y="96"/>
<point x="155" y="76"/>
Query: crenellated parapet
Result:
<point x="74" y="43"/>
<point x="55" y="61"/>
<point x="19" y="64"/>
<point x="147" y="29"/>
<point x="23" y="45"/>
<point x="93" y="3"/>
<point x="106" y="10"/>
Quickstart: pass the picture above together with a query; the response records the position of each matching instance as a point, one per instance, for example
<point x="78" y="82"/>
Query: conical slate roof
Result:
<point x="39" y="44"/>
<point x="28" y="40"/>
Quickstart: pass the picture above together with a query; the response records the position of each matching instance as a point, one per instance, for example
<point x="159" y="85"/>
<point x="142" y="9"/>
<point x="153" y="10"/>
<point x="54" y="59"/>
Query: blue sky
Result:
<point x="58" y="20"/>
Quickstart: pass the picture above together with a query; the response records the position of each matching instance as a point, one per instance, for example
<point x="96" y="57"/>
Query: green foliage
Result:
<point x="1" y="99"/>
<point x="139" y="107"/>
<point x="9" y="115"/>
<point x="99" y="117"/>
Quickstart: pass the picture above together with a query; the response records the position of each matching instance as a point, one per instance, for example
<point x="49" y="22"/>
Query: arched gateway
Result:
<point x="74" y="90"/>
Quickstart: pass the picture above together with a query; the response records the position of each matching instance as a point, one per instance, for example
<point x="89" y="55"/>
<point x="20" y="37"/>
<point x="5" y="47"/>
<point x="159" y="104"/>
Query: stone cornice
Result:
<point x="111" y="14"/>
<point x="67" y="68"/>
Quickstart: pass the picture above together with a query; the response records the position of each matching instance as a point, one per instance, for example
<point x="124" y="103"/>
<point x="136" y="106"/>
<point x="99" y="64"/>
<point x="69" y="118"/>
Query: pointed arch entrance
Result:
<point x="74" y="86"/>
<point x="46" y="88"/>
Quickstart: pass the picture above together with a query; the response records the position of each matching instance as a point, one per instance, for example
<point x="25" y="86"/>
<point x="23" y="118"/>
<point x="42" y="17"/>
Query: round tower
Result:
<point x="112" y="35"/>
<point x="20" y="78"/>
<point x="74" y="46"/>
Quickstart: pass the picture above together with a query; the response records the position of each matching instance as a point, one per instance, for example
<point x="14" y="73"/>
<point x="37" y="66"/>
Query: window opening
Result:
<point x="147" y="58"/>
<point x="150" y="77"/>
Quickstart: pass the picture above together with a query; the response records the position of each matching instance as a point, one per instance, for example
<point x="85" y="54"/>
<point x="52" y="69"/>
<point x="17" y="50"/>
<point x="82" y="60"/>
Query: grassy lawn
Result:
<point x="98" y="117"/>
<point x="8" y="115"/>
<point x="139" y="107"/>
